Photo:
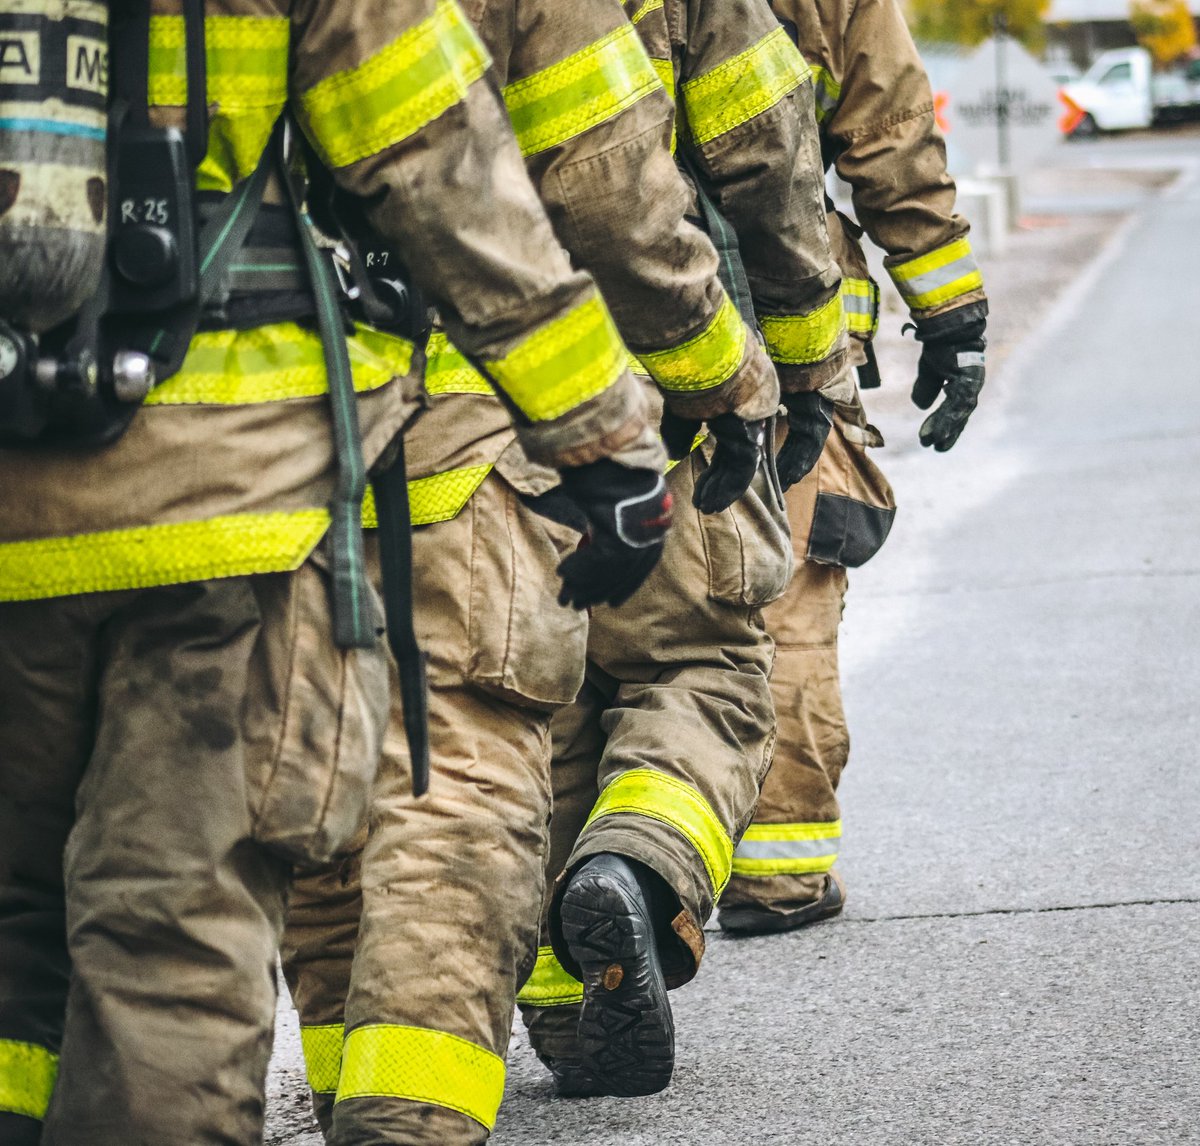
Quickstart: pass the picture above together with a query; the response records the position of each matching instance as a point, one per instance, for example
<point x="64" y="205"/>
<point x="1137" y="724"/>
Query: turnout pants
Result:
<point x="661" y="757"/>
<point x="405" y="1034"/>
<point x="840" y="515"/>
<point x="166" y="753"/>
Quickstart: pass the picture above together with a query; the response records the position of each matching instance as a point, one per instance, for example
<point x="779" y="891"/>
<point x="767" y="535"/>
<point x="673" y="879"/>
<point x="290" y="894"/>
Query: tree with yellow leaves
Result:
<point x="970" y="22"/>
<point x="1165" y="28"/>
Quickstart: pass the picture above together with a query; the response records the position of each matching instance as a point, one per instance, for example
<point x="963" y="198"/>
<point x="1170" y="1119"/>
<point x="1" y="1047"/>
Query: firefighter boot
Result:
<point x="747" y="920"/>
<point x="626" y="1033"/>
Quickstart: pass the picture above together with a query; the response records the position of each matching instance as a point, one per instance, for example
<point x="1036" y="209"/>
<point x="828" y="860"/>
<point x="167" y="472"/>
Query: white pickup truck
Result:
<point x="1121" y="90"/>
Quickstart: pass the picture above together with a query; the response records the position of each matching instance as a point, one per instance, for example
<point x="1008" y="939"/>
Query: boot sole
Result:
<point x="626" y="1032"/>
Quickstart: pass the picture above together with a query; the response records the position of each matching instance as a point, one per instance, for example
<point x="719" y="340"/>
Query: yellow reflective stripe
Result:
<point x="441" y="497"/>
<point x="860" y="299"/>
<point x="587" y="88"/>
<point x="938" y="277"/>
<point x="645" y="10"/>
<point x="27" y="1076"/>
<point x="274" y="363"/>
<point x="770" y="850"/>
<point x="666" y="73"/>
<point x="420" y="75"/>
<point x="447" y="371"/>
<point x="743" y="86"/>
<point x="421" y="1065"/>
<point x="247" y="60"/>
<point x="657" y="796"/>
<point x="801" y="339"/>
<point x="551" y="984"/>
<point x="706" y="361"/>
<point x="322" y="1047"/>
<point x="827" y="90"/>
<point x="561" y="366"/>
<point x="169" y="554"/>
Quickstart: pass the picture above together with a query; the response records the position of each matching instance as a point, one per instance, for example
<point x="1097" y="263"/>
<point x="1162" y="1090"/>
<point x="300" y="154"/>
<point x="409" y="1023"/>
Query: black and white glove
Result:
<point x="953" y="363"/>
<point x="624" y="515"/>
<point x="738" y="453"/>
<point x="809" y="420"/>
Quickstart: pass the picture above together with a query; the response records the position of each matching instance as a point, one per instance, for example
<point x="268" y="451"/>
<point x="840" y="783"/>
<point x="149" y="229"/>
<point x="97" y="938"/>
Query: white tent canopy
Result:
<point x="1083" y="11"/>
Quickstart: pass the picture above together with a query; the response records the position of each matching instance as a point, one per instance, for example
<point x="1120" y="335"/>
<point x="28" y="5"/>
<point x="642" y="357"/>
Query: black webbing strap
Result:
<point x="196" y="47"/>
<point x="869" y="377"/>
<point x="396" y="557"/>
<point x="353" y="617"/>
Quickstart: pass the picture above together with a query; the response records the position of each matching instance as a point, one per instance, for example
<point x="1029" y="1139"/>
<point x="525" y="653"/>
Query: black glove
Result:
<point x="809" y="419"/>
<point x="735" y="460"/>
<point x="953" y="363"/>
<point x="624" y="514"/>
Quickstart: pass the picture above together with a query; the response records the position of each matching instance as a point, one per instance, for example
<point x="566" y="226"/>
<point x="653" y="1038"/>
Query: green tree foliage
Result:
<point x="970" y="22"/>
<point x="1165" y="28"/>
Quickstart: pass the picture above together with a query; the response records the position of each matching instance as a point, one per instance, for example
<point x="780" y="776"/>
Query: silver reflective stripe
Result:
<point x="857" y="303"/>
<point x="787" y="849"/>
<point x="916" y="286"/>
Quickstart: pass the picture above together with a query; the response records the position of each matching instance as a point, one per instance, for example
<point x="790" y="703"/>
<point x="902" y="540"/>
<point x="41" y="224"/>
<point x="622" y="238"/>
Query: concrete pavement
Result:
<point x="1017" y="963"/>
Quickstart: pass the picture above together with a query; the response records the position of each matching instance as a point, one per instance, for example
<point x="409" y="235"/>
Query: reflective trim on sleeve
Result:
<point x="171" y="554"/>
<point x="657" y="796"/>
<point x="743" y="86"/>
<point x="447" y="370"/>
<point x="827" y="90"/>
<point x="704" y="362"/>
<point x="802" y="339"/>
<point x="860" y="298"/>
<point x="938" y="277"/>
<point x="769" y="850"/>
<point x="645" y="10"/>
<point x="551" y="984"/>
<point x="666" y="73"/>
<point x="580" y="92"/>
<point x="561" y="366"/>
<point x="420" y="75"/>
<point x="420" y="1065"/>
<point x="322" y="1047"/>
<point x="247" y="60"/>
<point x="275" y="363"/>
<point x="27" y="1076"/>
<point x="441" y="497"/>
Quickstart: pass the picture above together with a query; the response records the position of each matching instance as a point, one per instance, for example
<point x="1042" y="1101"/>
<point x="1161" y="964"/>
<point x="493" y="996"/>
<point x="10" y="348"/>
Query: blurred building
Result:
<point x="1079" y="30"/>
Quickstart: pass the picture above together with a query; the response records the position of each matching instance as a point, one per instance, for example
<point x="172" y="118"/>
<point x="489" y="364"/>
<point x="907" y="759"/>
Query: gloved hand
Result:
<point x="953" y="363"/>
<point x="809" y="419"/>
<point x="735" y="460"/>
<point x="624" y="515"/>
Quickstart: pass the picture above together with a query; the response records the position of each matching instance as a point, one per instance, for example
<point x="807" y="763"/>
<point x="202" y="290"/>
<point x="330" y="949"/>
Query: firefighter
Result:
<point x="181" y="723"/>
<point x="657" y="764"/>
<point x="878" y="130"/>
<point x="452" y="884"/>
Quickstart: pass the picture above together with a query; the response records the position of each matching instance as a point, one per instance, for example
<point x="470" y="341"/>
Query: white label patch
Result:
<point x="972" y="358"/>
<point x="20" y="58"/>
<point x="87" y="64"/>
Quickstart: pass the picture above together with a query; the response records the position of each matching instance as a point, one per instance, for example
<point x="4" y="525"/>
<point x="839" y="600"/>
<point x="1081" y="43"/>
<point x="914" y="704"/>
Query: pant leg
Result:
<point x="452" y="883"/>
<point x="690" y="724"/>
<point x="48" y="672"/>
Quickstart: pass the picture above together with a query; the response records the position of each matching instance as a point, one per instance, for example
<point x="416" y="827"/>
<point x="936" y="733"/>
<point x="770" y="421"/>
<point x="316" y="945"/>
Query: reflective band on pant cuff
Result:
<point x="802" y="339"/>
<point x="421" y="74"/>
<point x="645" y="792"/>
<point x="567" y="362"/>
<point x="322" y="1047"/>
<point x="938" y="277"/>
<point x="420" y="1065"/>
<point x="551" y="984"/>
<point x="743" y="86"/>
<point x="769" y="850"/>
<point x="703" y="362"/>
<point x="27" y="1074"/>
<point x="152" y="555"/>
<point x="581" y="91"/>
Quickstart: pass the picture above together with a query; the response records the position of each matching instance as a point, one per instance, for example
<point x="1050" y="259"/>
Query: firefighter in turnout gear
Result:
<point x="181" y="721"/>
<point x="657" y="764"/>
<point x="878" y="130"/>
